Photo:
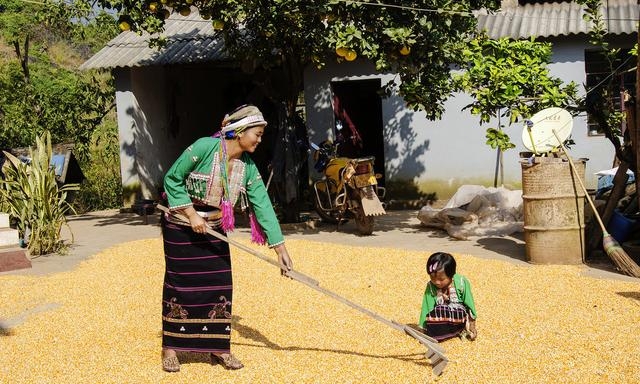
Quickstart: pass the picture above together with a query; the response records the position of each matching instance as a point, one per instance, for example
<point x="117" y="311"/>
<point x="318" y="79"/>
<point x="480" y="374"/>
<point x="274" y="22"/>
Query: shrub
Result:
<point x="102" y="188"/>
<point x="31" y="195"/>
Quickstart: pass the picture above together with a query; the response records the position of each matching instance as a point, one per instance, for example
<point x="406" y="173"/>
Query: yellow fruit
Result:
<point x="351" y="55"/>
<point x="341" y="51"/>
<point x="164" y="1"/>
<point x="153" y="6"/>
<point x="268" y="33"/>
<point x="189" y="2"/>
<point x="186" y="11"/>
<point x="404" y="51"/>
<point x="124" y="26"/>
<point x="165" y="14"/>
<point x="218" y="25"/>
<point x="205" y="15"/>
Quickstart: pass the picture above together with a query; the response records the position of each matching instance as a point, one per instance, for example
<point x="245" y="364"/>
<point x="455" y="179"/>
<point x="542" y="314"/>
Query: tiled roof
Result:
<point x="190" y="39"/>
<point x="556" y="19"/>
<point x="193" y="40"/>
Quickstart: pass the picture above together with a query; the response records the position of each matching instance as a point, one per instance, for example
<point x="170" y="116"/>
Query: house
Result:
<point x="439" y="156"/>
<point x="165" y="99"/>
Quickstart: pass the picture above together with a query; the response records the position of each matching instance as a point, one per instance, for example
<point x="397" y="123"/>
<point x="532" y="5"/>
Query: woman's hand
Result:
<point x="198" y="223"/>
<point x="283" y="258"/>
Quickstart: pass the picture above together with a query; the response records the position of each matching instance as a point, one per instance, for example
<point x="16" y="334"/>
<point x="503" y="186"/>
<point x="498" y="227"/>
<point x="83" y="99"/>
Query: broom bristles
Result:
<point x="619" y="256"/>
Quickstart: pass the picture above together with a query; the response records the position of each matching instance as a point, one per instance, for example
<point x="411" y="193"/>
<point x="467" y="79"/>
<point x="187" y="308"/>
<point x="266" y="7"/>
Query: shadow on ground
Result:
<point x="504" y="246"/>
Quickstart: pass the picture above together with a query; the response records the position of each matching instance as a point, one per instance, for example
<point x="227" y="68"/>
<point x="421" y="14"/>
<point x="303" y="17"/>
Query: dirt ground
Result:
<point x="93" y="232"/>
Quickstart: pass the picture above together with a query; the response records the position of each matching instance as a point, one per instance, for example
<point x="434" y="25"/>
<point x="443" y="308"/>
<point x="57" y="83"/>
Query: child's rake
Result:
<point x="435" y="353"/>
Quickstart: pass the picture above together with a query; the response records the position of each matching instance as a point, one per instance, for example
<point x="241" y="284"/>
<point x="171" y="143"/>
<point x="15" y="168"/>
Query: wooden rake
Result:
<point x="435" y="353"/>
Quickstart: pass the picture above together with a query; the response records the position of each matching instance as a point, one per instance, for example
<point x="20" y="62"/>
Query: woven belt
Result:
<point x="210" y="215"/>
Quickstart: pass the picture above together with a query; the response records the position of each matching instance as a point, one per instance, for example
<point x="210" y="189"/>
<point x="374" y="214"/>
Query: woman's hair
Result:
<point x="442" y="261"/>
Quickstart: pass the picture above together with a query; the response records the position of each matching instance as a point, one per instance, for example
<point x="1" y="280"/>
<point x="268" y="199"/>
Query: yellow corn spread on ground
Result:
<point x="536" y="324"/>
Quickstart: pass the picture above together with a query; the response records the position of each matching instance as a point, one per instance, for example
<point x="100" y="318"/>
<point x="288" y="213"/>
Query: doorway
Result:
<point x="357" y="108"/>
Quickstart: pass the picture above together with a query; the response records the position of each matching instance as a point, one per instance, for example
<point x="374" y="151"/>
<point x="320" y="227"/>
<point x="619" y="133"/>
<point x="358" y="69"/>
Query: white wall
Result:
<point x="142" y="126"/>
<point x="162" y="110"/>
<point x="442" y="155"/>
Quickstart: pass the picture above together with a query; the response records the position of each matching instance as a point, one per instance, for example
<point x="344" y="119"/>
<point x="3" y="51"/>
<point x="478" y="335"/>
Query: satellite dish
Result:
<point x="537" y="134"/>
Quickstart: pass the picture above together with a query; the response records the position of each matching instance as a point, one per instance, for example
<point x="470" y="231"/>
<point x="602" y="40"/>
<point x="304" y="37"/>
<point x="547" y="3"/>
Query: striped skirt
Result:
<point x="446" y="321"/>
<point x="197" y="293"/>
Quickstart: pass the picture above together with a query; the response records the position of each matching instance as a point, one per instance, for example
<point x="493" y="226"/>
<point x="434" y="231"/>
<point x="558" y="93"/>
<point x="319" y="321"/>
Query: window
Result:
<point x="598" y="74"/>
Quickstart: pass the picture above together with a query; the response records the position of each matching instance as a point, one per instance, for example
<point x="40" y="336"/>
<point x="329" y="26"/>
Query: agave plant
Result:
<point x="31" y="195"/>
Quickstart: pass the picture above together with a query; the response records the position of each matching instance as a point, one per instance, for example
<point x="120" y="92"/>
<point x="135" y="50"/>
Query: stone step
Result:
<point x="14" y="258"/>
<point x="9" y="237"/>
<point x="4" y="220"/>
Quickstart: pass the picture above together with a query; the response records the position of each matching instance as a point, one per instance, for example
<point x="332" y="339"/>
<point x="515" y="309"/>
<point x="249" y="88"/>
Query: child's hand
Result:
<point x="472" y="333"/>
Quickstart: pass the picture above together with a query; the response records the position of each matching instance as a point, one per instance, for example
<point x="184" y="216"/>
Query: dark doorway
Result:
<point x="358" y="111"/>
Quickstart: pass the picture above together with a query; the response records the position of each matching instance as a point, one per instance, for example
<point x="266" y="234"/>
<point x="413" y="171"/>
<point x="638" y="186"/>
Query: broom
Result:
<point x="435" y="353"/>
<point x="610" y="245"/>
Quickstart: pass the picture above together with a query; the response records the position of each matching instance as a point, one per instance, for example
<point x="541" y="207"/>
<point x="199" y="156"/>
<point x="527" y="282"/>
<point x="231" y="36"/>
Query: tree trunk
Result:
<point x="289" y="154"/>
<point x="23" y="58"/>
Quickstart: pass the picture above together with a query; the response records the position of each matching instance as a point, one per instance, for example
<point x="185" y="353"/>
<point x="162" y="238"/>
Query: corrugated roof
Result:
<point x="556" y="19"/>
<point x="190" y="39"/>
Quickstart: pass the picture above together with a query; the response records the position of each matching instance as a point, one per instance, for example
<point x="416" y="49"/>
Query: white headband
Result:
<point x="242" y="122"/>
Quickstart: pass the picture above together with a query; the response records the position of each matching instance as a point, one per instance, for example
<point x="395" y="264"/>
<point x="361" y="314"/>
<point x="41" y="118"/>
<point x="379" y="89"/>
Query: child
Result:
<point x="447" y="307"/>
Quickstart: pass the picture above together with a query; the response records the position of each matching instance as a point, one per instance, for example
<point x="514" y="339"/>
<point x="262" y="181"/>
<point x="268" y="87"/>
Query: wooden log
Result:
<point x="617" y="192"/>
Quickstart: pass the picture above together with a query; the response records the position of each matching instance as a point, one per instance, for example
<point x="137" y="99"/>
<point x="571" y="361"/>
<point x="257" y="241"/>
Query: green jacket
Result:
<point x="463" y="289"/>
<point x="195" y="176"/>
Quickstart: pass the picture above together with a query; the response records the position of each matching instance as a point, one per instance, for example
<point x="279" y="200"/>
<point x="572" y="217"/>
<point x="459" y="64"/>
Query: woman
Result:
<point x="203" y="185"/>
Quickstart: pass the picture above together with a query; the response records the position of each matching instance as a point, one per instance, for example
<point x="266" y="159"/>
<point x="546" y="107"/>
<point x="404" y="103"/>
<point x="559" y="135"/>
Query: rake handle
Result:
<point x="436" y="355"/>
<point x="586" y="193"/>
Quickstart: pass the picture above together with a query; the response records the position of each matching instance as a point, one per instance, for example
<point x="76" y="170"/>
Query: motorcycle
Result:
<point x="348" y="189"/>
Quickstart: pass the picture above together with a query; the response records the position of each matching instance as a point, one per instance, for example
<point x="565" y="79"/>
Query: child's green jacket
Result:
<point x="463" y="289"/>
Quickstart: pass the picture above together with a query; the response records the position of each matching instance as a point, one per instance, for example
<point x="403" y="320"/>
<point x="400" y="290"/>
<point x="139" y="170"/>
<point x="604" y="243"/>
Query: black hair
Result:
<point x="442" y="261"/>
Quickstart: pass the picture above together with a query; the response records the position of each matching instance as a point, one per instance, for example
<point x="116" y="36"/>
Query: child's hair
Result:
<point x="441" y="261"/>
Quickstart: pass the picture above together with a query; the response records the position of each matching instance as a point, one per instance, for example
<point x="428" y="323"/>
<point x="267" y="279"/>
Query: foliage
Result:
<point x="419" y="39"/>
<point x="39" y="91"/>
<point x="33" y="197"/>
<point x="277" y="40"/>
<point x="102" y="187"/>
<point x="75" y="21"/>
<point x="512" y="77"/>
<point x="69" y="104"/>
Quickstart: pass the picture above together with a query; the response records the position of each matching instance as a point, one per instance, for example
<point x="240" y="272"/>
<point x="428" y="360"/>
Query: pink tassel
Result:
<point x="257" y="234"/>
<point x="228" y="218"/>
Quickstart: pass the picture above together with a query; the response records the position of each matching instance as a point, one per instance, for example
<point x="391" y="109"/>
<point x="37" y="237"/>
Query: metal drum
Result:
<point x="553" y="204"/>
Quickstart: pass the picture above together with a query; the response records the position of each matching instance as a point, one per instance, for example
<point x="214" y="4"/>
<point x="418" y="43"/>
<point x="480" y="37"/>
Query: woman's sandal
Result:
<point x="227" y="360"/>
<point x="170" y="364"/>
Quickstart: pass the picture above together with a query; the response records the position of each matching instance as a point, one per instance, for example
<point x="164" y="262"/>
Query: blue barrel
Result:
<point x="620" y="227"/>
